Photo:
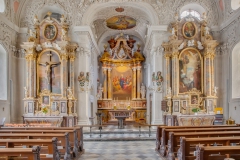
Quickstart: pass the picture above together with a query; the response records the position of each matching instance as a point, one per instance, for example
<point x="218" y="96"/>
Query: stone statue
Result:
<point x="143" y="91"/>
<point x="206" y="30"/>
<point x="64" y="36"/>
<point x="173" y="31"/>
<point x="169" y="91"/>
<point x="81" y="79"/>
<point x="35" y="20"/>
<point x="87" y="77"/>
<point x="69" y="92"/>
<point x="199" y="45"/>
<point x="32" y="34"/>
<point x="159" y="78"/>
<point x="49" y="66"/>
<point x="26" y="92"/>
<point x="153" y="78"/>
<point x="100" y="91"/>
<point x="62" y="19"/>
<point x="215" y="90"/>
<point x="190" y="43"/>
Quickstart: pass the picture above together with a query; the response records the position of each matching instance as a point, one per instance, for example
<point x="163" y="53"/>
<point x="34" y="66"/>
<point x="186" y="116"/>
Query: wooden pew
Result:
<point x="79" y="132"/>
<point x="62" y="137"/>
<point x="165" y="134"/>
<point x="50" y="143"/>
<point x="186" y="143"/>
<point x="204" y="153"/>
<point x="174" y="138"/>
<point x="32" y="153"/>
<point x="72" y="136"/>
<point x="160" y="133"/>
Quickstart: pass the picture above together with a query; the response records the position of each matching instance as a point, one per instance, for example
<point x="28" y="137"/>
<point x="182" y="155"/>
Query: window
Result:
<point x="3" y="73"/>
<point x="192" y="12"/>
<point x="2" y="6"/>
<point x="235" y="4"/>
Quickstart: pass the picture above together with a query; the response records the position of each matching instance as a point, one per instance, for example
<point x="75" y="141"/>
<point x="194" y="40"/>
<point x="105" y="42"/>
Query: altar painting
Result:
<point x="190" y="68"/>
<point x="122" y="82"/>
<point x="55" y="78"/>
<point x="121" y="22"/>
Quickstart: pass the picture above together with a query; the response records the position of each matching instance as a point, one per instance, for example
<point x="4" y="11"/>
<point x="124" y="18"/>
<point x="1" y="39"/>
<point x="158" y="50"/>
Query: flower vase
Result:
<point x="195" y="113"/>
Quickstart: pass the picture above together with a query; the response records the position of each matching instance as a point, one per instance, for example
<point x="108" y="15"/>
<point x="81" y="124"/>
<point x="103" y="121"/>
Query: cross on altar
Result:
<point x="49" y="66"/>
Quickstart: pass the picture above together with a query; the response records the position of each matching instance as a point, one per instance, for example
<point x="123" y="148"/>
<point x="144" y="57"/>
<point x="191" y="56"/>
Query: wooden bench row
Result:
<point x="69" y="140"/>
<point x="181" y="140"/>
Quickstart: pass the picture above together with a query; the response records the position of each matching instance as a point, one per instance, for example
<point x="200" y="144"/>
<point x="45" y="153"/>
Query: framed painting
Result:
<point x="210" y="106"/>
<point x="194" y="99"/>
<point x="46" y="100"/>
<point x="190" y="70"/>
<point x="63" y="107"/>
<point x="30" y="107"/>
<point x="176" y="106"/>
<point x="50" y="32"/>
<point x="184" y="104"/>
<point x="189" y="30"/>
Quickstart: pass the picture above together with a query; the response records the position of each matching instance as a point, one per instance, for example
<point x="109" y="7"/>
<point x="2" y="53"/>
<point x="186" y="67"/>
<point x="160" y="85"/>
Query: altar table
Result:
<point x="195" y="120"/>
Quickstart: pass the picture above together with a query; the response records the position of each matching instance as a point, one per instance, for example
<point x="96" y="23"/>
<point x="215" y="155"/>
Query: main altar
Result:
<point x="122" y="93"/>
<point x="189" y="61"/>
<point x="49" y="92"/>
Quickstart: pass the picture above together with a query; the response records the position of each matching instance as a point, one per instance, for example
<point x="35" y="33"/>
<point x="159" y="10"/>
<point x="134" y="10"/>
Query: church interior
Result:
<point x="120" y="79"/>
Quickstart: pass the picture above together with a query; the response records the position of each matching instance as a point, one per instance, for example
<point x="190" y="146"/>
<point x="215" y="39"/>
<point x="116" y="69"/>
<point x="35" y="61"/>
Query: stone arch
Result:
<point x="2" y="6"/>
<point x="3" y="72"/>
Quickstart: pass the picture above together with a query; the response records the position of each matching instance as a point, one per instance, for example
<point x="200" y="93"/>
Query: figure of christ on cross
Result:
<point x="49" y="65"/>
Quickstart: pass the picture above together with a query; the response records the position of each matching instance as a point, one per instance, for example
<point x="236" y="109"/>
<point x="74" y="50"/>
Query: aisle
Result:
<point x="120" y="150"/>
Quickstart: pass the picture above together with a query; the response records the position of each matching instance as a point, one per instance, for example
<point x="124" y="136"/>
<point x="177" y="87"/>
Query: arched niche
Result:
<point x="3" y="73"/>
<point x="46" y="58"/>
<point x="235" y="4"/>
<point x="2" y="6"/>
<point x="235" y="71"/>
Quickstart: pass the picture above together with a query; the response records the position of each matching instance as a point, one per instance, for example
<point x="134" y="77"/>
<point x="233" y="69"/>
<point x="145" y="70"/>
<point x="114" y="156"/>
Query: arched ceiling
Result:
<point x="95" y="13"/>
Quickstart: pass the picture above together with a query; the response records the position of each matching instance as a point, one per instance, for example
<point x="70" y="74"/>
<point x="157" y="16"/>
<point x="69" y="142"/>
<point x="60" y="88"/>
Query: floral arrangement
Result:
<point x="44" y="109"/>
<point x="195" y="110"/>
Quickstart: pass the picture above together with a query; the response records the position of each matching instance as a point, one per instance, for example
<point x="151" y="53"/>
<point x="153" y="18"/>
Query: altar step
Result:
<point x="119" y="136"/>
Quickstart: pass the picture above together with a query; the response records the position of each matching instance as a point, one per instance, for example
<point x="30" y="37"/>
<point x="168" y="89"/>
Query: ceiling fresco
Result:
<point x="121" y="22"/>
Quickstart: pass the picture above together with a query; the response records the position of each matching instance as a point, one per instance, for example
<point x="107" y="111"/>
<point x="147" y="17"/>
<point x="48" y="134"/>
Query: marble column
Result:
<point x="105" y="84"/>
<point x="175" y="75"/>
<point x="212" y="74"/>
<point x="109" y="84"/>
<point x="139" y="82"/>
<point x="168" y="74"/>
<point x="64" y="70"/>
<point x="134" y="83"/>
<point x="71" y="68"/>
<point x="207" y="75"/>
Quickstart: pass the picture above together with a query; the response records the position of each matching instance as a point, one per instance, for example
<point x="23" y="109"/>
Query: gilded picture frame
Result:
<point x="194" y="100"/>
<point x="46" y="100"/>
<point x="189" y="30"/>
<point x="50" y="32"/>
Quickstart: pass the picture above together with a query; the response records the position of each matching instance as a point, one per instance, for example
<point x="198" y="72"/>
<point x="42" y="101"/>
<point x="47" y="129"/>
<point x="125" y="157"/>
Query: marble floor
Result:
<point x="120" y="150"/>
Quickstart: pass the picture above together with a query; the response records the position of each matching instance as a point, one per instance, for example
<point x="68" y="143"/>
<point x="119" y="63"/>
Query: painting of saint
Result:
<point x="194" y="99"/>
<point x="50" y="32"/>
<point x="122" y="82"/>
<point x="190" y="64"/>
<point x="121" y="22"/>
<point x="45" y="100"/>
<point x="189" y="30"/>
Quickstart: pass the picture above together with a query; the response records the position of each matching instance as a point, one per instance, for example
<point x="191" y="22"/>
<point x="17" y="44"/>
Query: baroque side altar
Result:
<point x="189" y="59"/>
<point x="49" y="91"/>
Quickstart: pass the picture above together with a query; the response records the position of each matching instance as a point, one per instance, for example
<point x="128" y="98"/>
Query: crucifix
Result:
<point x="49" y="65"/>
